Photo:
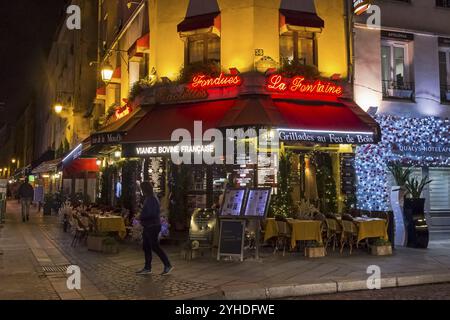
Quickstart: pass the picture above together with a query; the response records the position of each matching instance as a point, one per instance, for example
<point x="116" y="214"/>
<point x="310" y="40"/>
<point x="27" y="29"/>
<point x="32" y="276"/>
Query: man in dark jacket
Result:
<point x="150" y="220"/>
<point x="26" y="194"/>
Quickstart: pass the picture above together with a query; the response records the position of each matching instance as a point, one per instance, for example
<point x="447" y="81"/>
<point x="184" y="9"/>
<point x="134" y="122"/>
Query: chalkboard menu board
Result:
<point x="231" y="241"/>
<point x="233" y="202"/>
<point x="257" y="203"/>
<point x="348" y="174"/>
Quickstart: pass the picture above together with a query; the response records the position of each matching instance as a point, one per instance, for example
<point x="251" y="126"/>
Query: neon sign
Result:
<point x="302" y="86"/>
<point x="123" y="112"/>
<point x="206" y="82"/>
<point x="360" y="6"/>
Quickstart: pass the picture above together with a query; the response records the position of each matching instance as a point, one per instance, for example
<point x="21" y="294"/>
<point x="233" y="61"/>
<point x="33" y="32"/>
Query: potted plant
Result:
<point x="48" y="204"/>
<point x="397" y="196"/>
<point x="110" y="245"/>
<point x="381" y="247"/>
<point x="314" y="249"/>
<point x="414" y="209"/>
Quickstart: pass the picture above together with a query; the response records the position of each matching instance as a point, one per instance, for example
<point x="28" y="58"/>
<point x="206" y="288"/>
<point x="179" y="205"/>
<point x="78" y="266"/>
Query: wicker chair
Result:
<point x="349" y="234"/>
<point x="333" y="232"/>
<point x="283" y="236"/>
<point x="81" y="231"/>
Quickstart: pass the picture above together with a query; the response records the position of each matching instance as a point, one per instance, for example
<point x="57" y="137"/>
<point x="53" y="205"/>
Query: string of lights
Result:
<point x="410" y="141"/>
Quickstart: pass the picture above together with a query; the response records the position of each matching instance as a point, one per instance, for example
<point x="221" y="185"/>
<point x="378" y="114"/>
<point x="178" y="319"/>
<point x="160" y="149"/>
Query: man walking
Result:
<point x="26" y="194"/>
<point x="151" y="221"/>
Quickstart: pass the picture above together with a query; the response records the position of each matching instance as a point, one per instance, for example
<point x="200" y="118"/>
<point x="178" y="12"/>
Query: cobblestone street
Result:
<point x="29" y="252"/>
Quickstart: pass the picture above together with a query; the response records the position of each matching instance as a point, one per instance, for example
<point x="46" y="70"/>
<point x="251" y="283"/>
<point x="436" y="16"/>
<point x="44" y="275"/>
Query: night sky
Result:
<point x="27" y="28"/>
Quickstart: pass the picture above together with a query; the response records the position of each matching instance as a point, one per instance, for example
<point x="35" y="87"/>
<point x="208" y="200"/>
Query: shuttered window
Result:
<point x="440" y="189"/>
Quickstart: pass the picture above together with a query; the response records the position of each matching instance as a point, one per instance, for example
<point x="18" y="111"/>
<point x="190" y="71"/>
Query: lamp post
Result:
<point x="107" y="72"/>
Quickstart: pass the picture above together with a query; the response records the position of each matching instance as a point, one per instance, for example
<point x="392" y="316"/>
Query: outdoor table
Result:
<point x="371" y="228"/>
<point x="305" y="230"/>
<point x="111" y="224"/>
<point x="302" y="230"/>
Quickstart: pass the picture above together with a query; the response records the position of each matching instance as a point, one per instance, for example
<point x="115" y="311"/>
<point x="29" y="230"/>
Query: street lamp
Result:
<point x="13" y="160"/>
<point x="107" y="72"/>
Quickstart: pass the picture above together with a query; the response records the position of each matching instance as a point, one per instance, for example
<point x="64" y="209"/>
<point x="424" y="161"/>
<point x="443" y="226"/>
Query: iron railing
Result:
<point x="398" y="89"/>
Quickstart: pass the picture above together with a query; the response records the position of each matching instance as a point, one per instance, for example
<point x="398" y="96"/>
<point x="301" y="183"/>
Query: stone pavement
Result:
<point x="27" y="247"/>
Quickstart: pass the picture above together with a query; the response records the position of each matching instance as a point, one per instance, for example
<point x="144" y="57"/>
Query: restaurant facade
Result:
<point x="279" y="69"/>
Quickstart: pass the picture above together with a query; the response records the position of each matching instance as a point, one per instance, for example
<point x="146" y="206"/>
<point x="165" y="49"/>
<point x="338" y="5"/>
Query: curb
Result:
<point x="256" y="292"/>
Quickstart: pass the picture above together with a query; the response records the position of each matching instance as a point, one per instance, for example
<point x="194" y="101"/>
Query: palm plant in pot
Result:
<point x="397" y="196"/>
<point x="415" y="212"/>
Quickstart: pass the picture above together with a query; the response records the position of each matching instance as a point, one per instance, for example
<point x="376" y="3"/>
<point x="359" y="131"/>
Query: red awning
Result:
<point x="321" y="116"/>
<point x="160" y="122"/>
<point x="200" y="22"/>
<point x="250" y="111"/>
<point x="301" y="19"/>
<point x="81" y="165"/>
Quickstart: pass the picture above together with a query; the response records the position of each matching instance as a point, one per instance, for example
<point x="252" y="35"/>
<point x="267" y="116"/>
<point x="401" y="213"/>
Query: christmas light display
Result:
<point x="417" y="135"/>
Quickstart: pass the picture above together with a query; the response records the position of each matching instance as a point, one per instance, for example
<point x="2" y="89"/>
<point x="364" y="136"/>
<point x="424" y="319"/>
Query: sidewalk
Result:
<point x="275" y="276"/>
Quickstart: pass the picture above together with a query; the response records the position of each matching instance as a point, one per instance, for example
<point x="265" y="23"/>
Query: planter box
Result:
<point x="95" y="243"/>
<point x="316" y="252"/>
<point x="381" y="250"/>
<point x="110" y="249"/>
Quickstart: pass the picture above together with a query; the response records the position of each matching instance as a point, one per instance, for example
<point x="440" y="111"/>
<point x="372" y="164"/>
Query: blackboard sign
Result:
<point x="231" y="242"/>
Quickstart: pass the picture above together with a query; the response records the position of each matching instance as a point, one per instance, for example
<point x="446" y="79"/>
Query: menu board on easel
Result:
<point x="233" y="202"/>
<point x="257" y="203"/>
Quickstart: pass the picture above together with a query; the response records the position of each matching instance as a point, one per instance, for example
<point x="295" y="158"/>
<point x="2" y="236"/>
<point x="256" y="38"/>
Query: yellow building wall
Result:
<point x="332" y="52"/>
<point x="166" y="46"/>
<point x="246" y="25"/>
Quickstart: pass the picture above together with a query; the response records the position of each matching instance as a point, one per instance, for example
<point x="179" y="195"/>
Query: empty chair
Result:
<point x="283" y="235"/>
<point x="349" y="234"/>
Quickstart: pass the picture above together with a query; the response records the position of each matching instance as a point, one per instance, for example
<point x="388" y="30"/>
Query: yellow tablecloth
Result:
<point x="374" y="228"/>
<point x="112" y="224"/>
<point x="302" y="230"/>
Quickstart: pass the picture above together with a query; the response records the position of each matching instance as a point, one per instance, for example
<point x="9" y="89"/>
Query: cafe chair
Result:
<point x="81" y="232"/>
<point x="349" y="235"/>
<point x="283" y="236"/>
<point x="333" y="232"/>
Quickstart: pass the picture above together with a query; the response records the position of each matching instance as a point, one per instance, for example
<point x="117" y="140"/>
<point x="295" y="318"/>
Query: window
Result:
<point x="298" y="46"/>
<point x="443" y="3"/>
<point x="395" y="71"/>
<point x="439" y="189"/>
<point x="444" y="74"/>
<point x="203" y="48"/>
<point x="143" y="67"/>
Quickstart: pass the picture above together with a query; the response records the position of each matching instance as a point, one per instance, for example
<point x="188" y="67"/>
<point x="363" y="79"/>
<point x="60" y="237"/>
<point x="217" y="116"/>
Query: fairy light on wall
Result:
<point x="410" y="141"/>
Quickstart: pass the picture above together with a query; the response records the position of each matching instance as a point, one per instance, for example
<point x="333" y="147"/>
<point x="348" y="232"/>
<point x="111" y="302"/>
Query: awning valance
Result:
<point x="300" y="19"/>
<point x="200" y="22"/>
<point x="142" y="45"/>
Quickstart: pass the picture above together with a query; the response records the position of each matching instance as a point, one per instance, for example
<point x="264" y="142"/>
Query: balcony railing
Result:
<point x="445" y="93"/>
<point x="398" y="90"/>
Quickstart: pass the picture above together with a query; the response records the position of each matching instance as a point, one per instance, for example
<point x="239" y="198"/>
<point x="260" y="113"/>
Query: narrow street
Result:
<point x="35" y="255"/>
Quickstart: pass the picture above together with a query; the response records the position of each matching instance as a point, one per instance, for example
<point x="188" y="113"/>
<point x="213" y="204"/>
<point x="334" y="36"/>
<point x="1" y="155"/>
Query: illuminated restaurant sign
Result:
<point x="325" y="136"/>
<point x="107" y="138"/>
<point x="206" y="82"/>
<point x="302" y="86"/>
<point x="361" y="6"/>
<point x="123" y="112"/>
<point x="142" y="150"/>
